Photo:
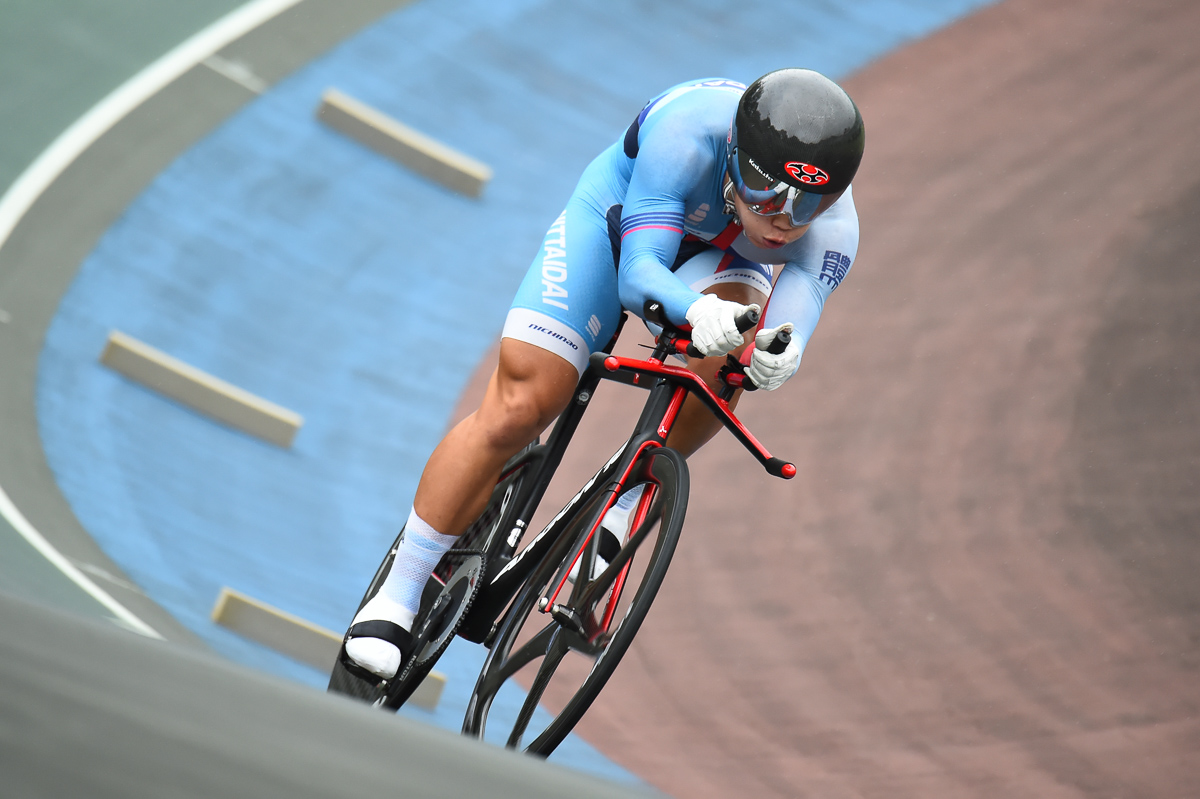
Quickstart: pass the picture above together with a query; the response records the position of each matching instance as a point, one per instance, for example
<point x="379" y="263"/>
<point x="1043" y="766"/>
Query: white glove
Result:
<point x="714" y="331"/>
<point x="768" y="371"/>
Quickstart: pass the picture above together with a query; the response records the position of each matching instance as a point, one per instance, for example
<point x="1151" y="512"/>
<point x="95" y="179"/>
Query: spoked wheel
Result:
<point x="557" y="653"/>
<point x="448" y="594"/>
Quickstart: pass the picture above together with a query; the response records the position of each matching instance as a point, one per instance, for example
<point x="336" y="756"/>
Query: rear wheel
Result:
<point x="342" y="680"/>
<point x="448" y="594"/>
<point x="559" y="642"/>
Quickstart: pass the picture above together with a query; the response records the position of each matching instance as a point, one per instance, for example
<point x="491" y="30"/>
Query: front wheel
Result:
<point x="559" y="642"/>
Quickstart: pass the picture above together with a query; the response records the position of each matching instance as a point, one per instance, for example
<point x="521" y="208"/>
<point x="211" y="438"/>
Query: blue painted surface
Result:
<point x="290" y="261"/>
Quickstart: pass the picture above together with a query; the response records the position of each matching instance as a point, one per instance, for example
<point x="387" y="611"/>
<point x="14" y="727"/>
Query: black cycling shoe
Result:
<point x="608" y="548"/>
<point x="384" y="630"/>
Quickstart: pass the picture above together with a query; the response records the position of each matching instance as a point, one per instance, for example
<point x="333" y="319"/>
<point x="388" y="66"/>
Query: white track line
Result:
<point x="92" y="125"/>
<point x="19" y="523"/>
<point x="25" y="191"/>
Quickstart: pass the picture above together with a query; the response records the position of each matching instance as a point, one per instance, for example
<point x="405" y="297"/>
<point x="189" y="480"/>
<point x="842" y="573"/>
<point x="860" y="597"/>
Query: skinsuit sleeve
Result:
<point x="667" y="166"/>
<point x="824" y="255"/>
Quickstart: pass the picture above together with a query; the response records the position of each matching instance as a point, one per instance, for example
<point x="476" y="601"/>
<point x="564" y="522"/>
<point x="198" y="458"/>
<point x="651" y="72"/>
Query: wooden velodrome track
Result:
<point x="982" y="581"/>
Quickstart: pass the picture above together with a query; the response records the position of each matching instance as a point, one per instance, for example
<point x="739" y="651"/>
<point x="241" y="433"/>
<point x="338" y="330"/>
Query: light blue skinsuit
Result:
<point x="654" y="200"/>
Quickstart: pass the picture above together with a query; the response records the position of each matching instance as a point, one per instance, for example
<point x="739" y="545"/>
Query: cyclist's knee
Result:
<point x="738" y="292"/>
<point x="530" y="388"/>
<point x="515" y="418"/>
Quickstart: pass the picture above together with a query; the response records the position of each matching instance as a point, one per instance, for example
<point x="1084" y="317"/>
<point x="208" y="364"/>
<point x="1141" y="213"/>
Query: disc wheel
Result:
<point x="447" y="596"/>
<point x="555" y="656"/>
<point x="342" y="680"/>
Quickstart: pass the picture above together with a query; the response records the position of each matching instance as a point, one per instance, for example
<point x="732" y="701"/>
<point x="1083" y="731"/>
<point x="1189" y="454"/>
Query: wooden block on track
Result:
<point x="276" y="629"/>
<point x="200" y="391"/>
<point x="396" y="140"/>
<point x="299" y="639"/>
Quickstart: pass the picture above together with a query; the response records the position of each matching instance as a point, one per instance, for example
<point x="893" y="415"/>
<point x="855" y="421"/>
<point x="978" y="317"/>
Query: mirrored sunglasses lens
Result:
<point x="773" y="206"/>
<point x="806" y="207"/>
<point x="749" y="196"/>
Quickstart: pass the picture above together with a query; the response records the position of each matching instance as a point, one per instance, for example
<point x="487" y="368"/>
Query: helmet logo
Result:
<point x="806" y="173"/>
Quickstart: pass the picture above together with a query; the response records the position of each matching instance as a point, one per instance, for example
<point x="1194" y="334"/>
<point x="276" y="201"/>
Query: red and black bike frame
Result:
<point x="669" y="386"/>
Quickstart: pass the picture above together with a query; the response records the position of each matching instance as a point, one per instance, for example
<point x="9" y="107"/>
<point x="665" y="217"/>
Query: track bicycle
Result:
<point x="561" y="611"/>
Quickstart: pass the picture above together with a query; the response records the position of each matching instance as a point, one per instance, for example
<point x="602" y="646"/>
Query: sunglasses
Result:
<point x="767" y="196"/>
<point x="801" y="207"/>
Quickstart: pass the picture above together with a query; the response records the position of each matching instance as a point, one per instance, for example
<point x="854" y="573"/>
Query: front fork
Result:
<point x="664" y="404"/>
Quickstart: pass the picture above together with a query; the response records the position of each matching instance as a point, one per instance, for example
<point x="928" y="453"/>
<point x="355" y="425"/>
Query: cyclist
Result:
<point x="712" y="184"/>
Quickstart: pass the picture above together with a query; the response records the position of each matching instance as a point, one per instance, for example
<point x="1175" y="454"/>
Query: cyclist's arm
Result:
<point x="652" y="225"/>
<point x="824" y="256"/>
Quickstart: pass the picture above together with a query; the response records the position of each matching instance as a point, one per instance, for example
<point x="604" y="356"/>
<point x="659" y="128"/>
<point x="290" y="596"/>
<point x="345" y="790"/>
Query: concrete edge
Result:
<point x="299" y="638"/>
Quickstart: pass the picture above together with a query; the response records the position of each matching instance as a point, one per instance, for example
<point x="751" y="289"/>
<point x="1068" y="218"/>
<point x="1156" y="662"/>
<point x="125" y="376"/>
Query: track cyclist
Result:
<point x="712" y="184"/>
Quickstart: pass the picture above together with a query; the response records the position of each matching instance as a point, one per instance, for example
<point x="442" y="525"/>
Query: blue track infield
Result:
<point x="286" y="259"/>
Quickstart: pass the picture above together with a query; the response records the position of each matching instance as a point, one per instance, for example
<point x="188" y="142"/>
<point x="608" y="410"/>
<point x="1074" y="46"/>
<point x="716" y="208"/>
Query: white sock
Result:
<point x="399" y="598"/>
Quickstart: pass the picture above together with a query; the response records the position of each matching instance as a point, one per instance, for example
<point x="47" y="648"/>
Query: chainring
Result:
<point x="435" y="627"/>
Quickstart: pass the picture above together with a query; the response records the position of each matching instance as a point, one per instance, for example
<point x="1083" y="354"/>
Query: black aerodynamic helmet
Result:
<point x="794" y="145"/>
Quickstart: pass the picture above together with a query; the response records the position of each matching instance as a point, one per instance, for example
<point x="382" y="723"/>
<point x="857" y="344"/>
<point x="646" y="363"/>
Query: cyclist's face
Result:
<point x="767" y="232"/>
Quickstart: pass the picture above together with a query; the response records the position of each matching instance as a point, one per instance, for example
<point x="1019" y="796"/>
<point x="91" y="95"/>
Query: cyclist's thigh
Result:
<point x="568" y="303"/>
<point x="713" y="268"/>
<point x="531" y="382"/>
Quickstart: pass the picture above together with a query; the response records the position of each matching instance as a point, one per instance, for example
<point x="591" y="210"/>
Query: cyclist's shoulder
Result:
<point x="696" y="107"/>
<point x="683" y="131"/>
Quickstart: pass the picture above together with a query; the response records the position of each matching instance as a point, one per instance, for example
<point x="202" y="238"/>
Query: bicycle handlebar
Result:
<point x="631" y="370"/>
<point x="733" y="376"/>
<point x="675" y="339"/>
<point x="782" y="339"/>
<point x="747" y="319"/>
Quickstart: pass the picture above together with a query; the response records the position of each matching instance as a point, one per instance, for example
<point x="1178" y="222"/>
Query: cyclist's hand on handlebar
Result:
<point x="714" y="324"/>
<point x="770" y="371"/>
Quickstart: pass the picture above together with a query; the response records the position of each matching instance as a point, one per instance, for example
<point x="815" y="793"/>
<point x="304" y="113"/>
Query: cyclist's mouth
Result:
<point x="773" y="244"/>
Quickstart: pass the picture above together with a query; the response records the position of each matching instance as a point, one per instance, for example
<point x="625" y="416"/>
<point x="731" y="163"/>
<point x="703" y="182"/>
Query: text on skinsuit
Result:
<point x="834" y="267"/>
<point x="552" y="334"/>
<point x="554" y="264"/>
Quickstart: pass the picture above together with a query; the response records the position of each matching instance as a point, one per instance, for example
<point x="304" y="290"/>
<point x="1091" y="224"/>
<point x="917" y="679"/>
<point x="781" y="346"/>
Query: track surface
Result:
<point x="89" y="710"/>
<point x="60" y="59"/>
<point x="35" y="268"/>
<point x="982" y="581"/>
